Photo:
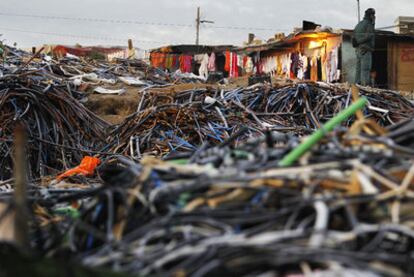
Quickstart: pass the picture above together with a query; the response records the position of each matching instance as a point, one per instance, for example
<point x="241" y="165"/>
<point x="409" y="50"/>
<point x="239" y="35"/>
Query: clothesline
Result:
<point x="320" y="66"/>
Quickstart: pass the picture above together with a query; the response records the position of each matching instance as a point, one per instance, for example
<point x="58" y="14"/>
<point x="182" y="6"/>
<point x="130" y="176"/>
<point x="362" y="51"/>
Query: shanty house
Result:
<point x="325" y="55"/>
<point x="305" y="55"/>
<point x="189" y="58"/>
<point x="393" y="60"/>
<point x="98" y="52"/>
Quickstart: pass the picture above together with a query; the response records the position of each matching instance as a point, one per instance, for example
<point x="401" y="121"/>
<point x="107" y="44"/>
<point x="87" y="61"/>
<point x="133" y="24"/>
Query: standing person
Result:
<point x="364" y="42"/>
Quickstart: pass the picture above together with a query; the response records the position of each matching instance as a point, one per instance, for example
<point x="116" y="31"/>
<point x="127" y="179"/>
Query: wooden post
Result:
<point x="20" y="188"/>
<point x="131" y="50"/>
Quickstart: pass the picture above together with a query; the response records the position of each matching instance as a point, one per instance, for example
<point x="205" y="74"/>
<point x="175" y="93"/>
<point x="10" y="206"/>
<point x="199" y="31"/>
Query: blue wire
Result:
<point x="95" y="215"/>
<point x="156" y="179"/>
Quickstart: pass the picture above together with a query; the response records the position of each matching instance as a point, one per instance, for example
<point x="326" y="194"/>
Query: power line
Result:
<point x="122" y="21"/>
<point x="103" y="38"/>
<point x="106" y="38"/>
<point x="99" y="20"/>
<point x="246" y="28"/>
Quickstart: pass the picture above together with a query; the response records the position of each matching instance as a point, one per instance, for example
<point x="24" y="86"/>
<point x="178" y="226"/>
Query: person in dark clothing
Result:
<point x="364" y="42"/>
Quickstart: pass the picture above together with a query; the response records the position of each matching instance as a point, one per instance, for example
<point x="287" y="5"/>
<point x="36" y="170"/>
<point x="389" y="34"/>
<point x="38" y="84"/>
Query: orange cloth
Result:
<point x="228" y="61"/>
<point x="182" y="63"/>
<point x="87" y="167"/>
<point x="158" y="60"/>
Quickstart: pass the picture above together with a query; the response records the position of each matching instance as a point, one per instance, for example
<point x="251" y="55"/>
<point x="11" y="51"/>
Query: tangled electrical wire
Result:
<point x="345" y="207"/>
<point x="61" y="131"/>
<point x="174" y="124"/>
<point x="42" y="94"/>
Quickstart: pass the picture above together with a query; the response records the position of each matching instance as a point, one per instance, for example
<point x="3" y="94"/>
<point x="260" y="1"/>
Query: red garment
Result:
<point x="234" y="68"/>
<point x="228" y="61"/>
<point x="186" y="63"/>
<point x="245" y="59"/>
<point x="174" y="62"/>
<point x="189" y="63"/>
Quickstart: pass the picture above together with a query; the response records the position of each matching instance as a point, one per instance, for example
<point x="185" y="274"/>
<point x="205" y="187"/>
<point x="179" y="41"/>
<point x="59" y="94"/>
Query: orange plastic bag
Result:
<point x="87" y="167"/>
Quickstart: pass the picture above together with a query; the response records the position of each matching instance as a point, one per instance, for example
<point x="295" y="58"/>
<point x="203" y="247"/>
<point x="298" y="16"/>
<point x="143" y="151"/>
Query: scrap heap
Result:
<point x="343" y="208"/>
<point x="42" y="94"/>
<point x="61" y="130"/>
<point x="197" y="183"/>
<point x="171" y="124"/>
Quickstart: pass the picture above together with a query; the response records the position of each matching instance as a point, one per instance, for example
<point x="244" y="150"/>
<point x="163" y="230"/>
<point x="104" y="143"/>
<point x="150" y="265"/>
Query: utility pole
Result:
<point x="198" y="26"/>
<point x="359" y="11"/>
<point x="198" y="23"/>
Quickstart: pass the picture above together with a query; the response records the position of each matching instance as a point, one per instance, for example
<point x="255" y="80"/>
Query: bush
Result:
<point x="96" y="55"/>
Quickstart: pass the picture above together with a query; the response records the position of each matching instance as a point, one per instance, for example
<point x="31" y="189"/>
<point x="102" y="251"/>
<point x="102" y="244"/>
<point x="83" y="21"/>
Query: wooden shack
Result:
<point x="401" y="62"/>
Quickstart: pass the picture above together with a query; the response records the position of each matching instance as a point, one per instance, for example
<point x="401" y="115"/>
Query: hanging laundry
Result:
<point x="295" y="65"/>
<point x="212" y="63"/>
<point x="286" y="63"/>
<point x="234" y="71"/>
<point x="176" y="63"/>
<point x="245" y="58"/>
<point x="228" y="61"/>
<point x="258" y="69"/>
<point x="240" y="61"/>
<point x="203" y="70"/>
<point x="334" y="60"/>
<point x="169" y="61"/>
<point x="185" y="63"/>
<point x="181" y="59"/>
<point x="269" y="65"/>
<point x="158" y="60"/>
<point x="198" y="58"/>
<point x="314" y="69"/>
<point x="188" y="64"/>
<point x="303" y="64"/>
<point x="324" y="76"/>
<point x="249" y="65"/>
<point x="279" y="69"/>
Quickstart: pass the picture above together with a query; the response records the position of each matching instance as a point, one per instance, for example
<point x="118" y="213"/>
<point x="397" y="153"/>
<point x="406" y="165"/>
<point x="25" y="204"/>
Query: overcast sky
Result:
<point x="29" y="22"/>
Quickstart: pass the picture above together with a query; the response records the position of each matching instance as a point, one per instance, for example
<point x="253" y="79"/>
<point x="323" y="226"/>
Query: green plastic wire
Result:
<point x="304" y="147"/>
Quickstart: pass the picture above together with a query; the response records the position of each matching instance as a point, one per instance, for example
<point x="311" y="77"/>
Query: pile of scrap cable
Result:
<point x="175" y="124"/>
<point x="343" y="206"/>
<point x="60" y="130"/>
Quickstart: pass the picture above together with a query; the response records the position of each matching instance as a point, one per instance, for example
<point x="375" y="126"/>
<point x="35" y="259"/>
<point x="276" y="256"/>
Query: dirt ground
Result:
<point x="115" y="108"/>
